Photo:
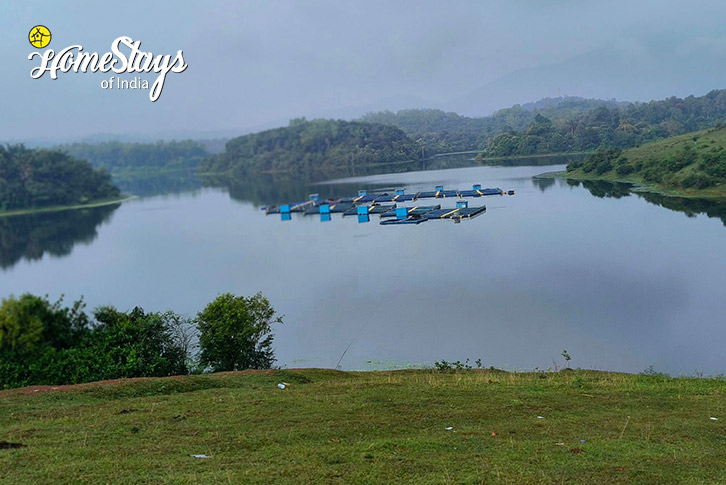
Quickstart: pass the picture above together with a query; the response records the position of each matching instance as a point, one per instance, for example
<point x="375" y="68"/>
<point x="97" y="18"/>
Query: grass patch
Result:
<point x="370" y="427"/>
<point x="689" y="165"/>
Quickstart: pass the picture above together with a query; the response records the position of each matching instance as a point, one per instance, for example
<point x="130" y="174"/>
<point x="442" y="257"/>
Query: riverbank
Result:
<point x="535" y="155"/>
<point x="638" y="185"/>
<point x="415" y="426"/>
<point x="40" y="210"/>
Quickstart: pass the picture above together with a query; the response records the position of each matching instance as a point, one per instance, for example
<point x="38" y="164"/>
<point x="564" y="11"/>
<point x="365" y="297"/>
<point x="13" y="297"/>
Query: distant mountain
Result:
<point x="612" y="72"/>
<point x="570" y="102"/>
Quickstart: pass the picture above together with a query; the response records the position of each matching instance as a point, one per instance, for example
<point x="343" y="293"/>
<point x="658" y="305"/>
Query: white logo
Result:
<point x="74" y="58"/>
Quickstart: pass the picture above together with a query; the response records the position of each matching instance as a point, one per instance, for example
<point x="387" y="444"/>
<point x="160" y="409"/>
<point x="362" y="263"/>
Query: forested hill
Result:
<point x="691" y="164"/>
<point x="304" y="146"/>
<point x="42" y="178"/>
<point x="621" y="127"/>
<point x="440" y="132"/>
<point x="559" y="125"/>
<point x="121" y="158"/>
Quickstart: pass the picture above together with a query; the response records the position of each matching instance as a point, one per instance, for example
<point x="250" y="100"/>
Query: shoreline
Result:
<point x="535" y="155"/>
<point x="636" y="185"/>
<point x="59" y="208"/>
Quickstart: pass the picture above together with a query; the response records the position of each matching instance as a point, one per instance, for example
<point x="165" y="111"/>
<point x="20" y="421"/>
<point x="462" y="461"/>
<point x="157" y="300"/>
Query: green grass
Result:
<point x="656" y="156"/>
<point x="370" y="427"/>
<point x="57" y="208"/>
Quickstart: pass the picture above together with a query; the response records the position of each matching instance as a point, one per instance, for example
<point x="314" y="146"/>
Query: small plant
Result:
<point x="567" y="357"/>
<point x="578" y="382"/>
<point x="650" y="371"/>
<point x="458" y="365"/>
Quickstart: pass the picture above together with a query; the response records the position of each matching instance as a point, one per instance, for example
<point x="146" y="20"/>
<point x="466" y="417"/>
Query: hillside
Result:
<point x="40" y="178"/>
<point x="317" y="146"/>
<point x="690" y="164"/>
<point x="558" y="125"/>
<point x="440" y="132"/>
<point x="419" y="426"/>
<point x="123" y="158"/>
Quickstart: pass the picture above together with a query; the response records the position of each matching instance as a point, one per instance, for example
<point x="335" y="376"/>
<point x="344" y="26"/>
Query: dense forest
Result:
<point x="36" y="178"/>
<point x="694" y="161"/>
<point x="558" y="125"/>
<point x="123" y="158"/>
<point x="441" y="132"/>
<point x="317" y="146"/>
<point x="620" y="127"/>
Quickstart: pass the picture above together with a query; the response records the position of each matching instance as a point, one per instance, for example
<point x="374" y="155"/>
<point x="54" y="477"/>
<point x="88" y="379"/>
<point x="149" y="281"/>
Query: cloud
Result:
<point x="255" y="63"/>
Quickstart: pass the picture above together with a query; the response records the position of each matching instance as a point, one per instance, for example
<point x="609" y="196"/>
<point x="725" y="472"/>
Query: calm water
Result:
<point x="618" y="280"/>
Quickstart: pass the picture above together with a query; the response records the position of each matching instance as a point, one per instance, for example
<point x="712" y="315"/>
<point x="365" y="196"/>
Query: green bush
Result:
<point x="46" y="343"/>
<point x="235" y="333"/>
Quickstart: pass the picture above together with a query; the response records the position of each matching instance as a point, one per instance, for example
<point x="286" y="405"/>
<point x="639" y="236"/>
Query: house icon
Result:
<point x="39" y="36"/>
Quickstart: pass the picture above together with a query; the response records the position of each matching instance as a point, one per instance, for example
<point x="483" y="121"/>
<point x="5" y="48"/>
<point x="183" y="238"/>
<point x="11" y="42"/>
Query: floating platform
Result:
<point x="456" y="213"/>
<point x="415" y="211"/>
<point x="386" y="205"/>
<point x="374" y="209"/>
<point x="409" y="220"/>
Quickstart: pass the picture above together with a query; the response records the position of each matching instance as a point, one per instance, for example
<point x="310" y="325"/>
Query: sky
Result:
<point x="255" y="65"/>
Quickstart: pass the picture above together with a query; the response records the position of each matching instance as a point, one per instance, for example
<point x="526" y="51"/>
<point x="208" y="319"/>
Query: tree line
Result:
<point x="558" y="125"/>
<point x="119" y="158"/>
<point x="44" y="342"/>
<point x="36" y="178"/>
<point x="316" y="146"/>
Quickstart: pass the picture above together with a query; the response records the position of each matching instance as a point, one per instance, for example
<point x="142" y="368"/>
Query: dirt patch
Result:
<point x="126" y="411"/>
<point x="577" y="450"/>
<point x="129" y="380"/>
<point x="4" y="445"/>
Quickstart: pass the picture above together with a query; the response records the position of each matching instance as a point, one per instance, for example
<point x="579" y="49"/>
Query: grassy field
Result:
<point x="417" y="426"/>
<point x="661" y="156"/>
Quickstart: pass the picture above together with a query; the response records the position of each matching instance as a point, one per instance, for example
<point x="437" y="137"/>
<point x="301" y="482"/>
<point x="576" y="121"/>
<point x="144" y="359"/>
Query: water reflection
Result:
<point x="690" y="207"/>
<point x="543" y="184"/>
<point x="150" y="184"/>
<point x="274" y="189"/>
<point x="32" y="236"/>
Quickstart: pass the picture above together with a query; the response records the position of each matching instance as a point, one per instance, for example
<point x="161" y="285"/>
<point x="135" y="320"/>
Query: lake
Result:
<point x="622" y="281"/>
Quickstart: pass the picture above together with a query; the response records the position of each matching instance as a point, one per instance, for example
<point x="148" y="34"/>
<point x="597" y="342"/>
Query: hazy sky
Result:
<point x="258" y="64"/>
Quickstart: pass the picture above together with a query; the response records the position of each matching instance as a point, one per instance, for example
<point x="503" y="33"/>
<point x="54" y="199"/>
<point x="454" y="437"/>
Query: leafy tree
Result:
<point x="137" y="344"/>
<point x="235" y="333"/>
<point x="29" y="323"/>
<point x="46" y="343"/>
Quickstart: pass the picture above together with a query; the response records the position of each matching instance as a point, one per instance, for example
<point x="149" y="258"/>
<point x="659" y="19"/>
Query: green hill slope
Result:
<point x="692" y="164"/>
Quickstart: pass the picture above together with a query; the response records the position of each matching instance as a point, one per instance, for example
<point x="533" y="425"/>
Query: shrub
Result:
<point x="235" y="333"/>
